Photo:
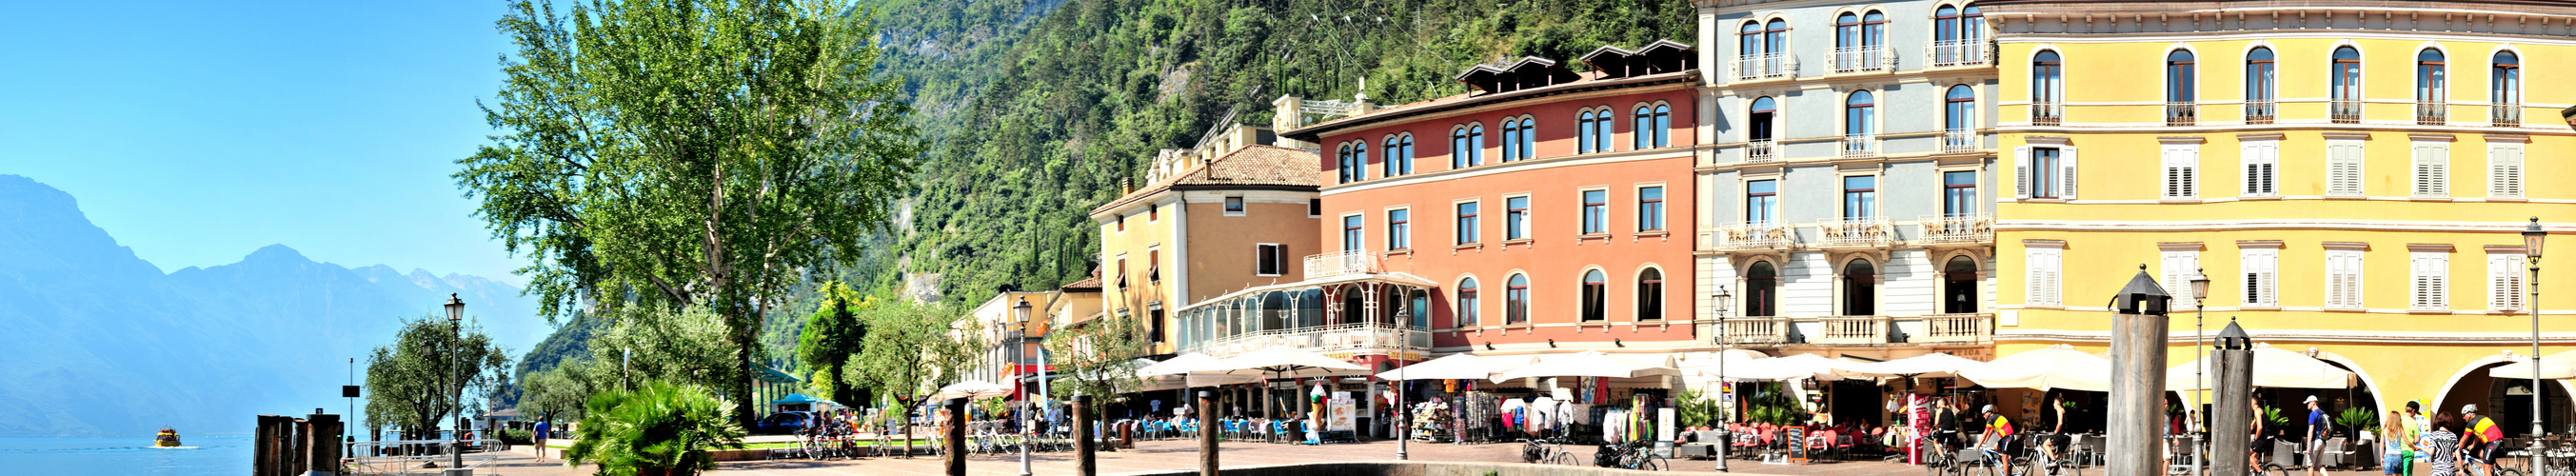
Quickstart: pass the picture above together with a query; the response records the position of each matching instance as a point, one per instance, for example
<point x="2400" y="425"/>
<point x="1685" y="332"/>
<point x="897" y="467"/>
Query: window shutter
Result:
<point x="2343" y="275"/>
<point x="2504" y="282"/>
<point x="2504" y="171"/>
<point x="2432" y="170"/>
<point x="2021" y="166"/>
<point x="2261" y="159"/>
<point x="2182" y="164"/>
<point x="2180" y="266"/>
<point x="2343" y="168"/>
<point x="2066" y="161"/>
<point x="2429" y="285"/>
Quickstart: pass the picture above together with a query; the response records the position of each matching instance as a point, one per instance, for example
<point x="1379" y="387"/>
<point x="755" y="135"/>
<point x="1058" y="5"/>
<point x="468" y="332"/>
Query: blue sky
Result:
<point x="196" y="132"/>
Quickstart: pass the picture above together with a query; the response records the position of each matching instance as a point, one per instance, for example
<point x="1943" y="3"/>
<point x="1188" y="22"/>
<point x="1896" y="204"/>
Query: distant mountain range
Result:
<point x="95" y="342"/>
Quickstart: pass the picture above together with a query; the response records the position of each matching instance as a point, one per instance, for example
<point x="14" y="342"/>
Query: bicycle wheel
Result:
<point x="2275" y="470"/>
<point x="1558" y="458"/>
<point x="2502" y="471"/>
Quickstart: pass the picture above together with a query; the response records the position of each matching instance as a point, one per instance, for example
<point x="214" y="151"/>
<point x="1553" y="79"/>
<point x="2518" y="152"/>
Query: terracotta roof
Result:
<point x="1253" y="166"/>
<point x="1588" y="81"/>
<point x="1091" y="283"/>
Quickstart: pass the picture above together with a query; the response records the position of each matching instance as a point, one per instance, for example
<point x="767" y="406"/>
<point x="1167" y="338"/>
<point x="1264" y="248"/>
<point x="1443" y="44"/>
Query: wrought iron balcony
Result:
<point x="1765" y="66"/>
<point x="2182" y="113"/>
<point x="1856" y="232"/>
<point x="1863" y="59"/>
<point x="2047" y="113"/>
<point x="1948" y="53"/>
<point x="1344" y="262"/>
<point x="1750" y="236"/>
<point x="1860" y="145"/>
<point x="2505" y="115"/>
<point x="2261" y="111"/>
<point x="1960" y="140"/>
<point x="2432" y="113"/>
<point x="1951" y="229"/>
<point x="2344" y="111"/>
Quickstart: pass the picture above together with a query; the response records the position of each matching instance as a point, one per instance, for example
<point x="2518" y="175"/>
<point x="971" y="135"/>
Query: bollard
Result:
<point x="2231" y="411"/>
<point x="2138" y="334"/>
<point x="1083" y="463"/>
<point x="956" y="440"/>
<point x="1207" y="434"/>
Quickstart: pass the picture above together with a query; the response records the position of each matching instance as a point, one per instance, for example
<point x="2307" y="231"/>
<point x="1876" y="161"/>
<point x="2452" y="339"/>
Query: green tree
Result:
<point x="1098" y="358"/>
<point x="830" y="336"/>
<point x="689" y="153"/>
<point x="911" y="350"/>
<point x="657" y="429"/>
<point x="415" y="378"/>
<point x="557" y="394"/>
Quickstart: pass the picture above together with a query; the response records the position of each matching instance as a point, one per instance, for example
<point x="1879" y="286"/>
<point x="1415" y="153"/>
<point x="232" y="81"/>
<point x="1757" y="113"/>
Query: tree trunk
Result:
<point x="737" y="384"/>
<point x="1083" y="462"/>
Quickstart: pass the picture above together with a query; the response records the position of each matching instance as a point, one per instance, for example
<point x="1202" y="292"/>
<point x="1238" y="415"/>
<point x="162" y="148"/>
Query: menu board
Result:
<point x="1341" y="413"/>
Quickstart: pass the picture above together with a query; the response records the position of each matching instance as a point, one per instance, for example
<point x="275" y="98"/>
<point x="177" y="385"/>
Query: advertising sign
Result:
<point x="1342" y="413"/>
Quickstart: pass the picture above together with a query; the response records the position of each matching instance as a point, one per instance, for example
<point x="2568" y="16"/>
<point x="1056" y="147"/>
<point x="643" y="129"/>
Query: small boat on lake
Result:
<point x="167" y="439"/>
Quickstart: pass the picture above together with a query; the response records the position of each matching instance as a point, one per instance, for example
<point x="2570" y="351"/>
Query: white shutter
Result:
<point x="2343" y="279"/>
<point x="2182" y="167"/>
<point x="2262" y="160"/>
<point x="2432" y="169"/>
<point x="2180" y="267"/>
<point x="2504" y="170"/>
<point x="2066" y="162"/>
<point x="2262" y="268"/>
<point x="2504" y="282"/>
<point x="2021" y="167"/>
<point x="2043" y="277"/>
<point x="2343" y="167"/>
<point x="2430" y="285"/>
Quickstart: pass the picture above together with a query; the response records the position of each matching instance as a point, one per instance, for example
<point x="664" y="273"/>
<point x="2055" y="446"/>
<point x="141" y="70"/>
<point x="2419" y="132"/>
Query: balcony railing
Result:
<point x="1860" y="145"/>
<point x="2505" y="115"/>
<point x="1959" y="140"/>
<point x="1859" y="59"/>
<point x="1956" y="328"/>
<point x="1752" y="330"/>
<point x="1942" y="229"/>
<point x="2432" y="113"/>
<point x="2047" y="113"/>
<point x="1765" y="66"/>
<point x="1850" y="232"/>
<point x="1947" y="53"/>
<point x="1343" y="262"/>
<point x="2261" y="111"/>
<point x="1761" y="150"/>
<point x="2182" y="114"/>
<point x="1750" y="236"/>
<point x="2344" y="111"/>
<point x="1338" y="340"/>
<point x="1850" y="330"/>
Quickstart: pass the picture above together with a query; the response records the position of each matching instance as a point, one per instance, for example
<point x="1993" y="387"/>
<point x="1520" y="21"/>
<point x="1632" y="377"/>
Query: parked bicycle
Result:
<point x="1545" y="451"/>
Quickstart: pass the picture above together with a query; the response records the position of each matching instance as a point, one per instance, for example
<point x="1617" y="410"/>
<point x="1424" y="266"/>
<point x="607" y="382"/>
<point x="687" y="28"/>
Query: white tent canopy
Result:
<point x="1281" y="362"/>
<point x="2273" y="368"/>
<point x="2558" y="366"/>
<point x="1455" y="366"/>
<point x="1178" y="364"/>
<point x="1794" y="367"/>
<point x="971" y="390"/>
<point x="1586" y="364"/>
<point x="2058" y="366"/>
<point x="1182" y="371"/>
<point x="1933" y="365"/>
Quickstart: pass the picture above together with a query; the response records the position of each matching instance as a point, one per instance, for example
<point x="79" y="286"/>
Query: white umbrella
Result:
<point x="2273" y="368"/>
<point x="1185" y="371"/>
<point x="2057" y="366"/>
<point x="1794" y="367"/>
<point x="2555" y="367"/>
<point x="1281" y="362"/>
<point x="1586" y="364"/>
<point x="971" y="390"/>
<point x="1456" y="366"/>
<point x="1933" y="365"/>
<point x="1178" y="364"/>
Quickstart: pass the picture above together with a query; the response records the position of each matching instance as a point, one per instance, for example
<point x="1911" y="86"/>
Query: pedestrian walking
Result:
<point x="2316" y="436"/>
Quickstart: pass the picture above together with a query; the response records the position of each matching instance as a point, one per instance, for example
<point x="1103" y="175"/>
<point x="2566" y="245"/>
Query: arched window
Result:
<point x="1602" y="132"/>
<point x="1663" y="129"/>
<point x="2181" y="89"/>
<point x="2262" y="86"/>
<point x="1956" y="36"/>
<point x="1529" y="137"/>
<point x="1762" y="124"/>
<point x="1516" y="300"/>
<point x="1345" y="168"/>
<point x="1511" y="139"/>
<point x="1945" y="24"/>
<point x="2047" y="89"/>
<point x="1467" y="146"/>
<point x="1310" y="308"/>
<point x="1847" y="32"/>
<point x="1860" y="42"/>
<point x="2505" y="89"/>
<point x="1596" y="293"/>
<point x="2345" y="104"/>
<point x="1466" y="310"/>
<point x="1859" y="112"/>
<point x="1275" y="314"/>
<point x="1959" y="295"/>
<point x="1399" y="155"/>
<point x="1761" y="290"/>
<point x="1860" y="293"/>
<point x="1650" y="294"/>
<point x="1775" y="37"/>
<point x="2431" y="93"/>
<point x="1959" y="109"/>
<point x="1583" y="138"/>
<point x="1748" y="40"/>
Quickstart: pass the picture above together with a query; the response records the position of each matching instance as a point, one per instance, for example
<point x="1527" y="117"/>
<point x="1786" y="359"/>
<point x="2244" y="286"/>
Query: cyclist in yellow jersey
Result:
<point x="2481" y="438"/>
<point x="1999" y="433"/>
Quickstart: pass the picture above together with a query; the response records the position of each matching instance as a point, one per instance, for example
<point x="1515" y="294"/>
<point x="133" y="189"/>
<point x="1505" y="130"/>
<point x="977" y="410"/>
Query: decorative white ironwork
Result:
<point x="2182" y="113"/>
<point x="1948" y="53"/>
<point x="1940" y="229"/>
<point x="1343" y="262"/>
<point x="1337" y="340"/>
<point x="2047" y="113"/>
<point x="1842" y="232"/>
<point x="2505" y="115"/>
<point x="1765" y="66"/>
<point x="1860" y="145"/>
<point x="2432" y="113"/>
<point x="2344" y="111"/>
<point x="1765" y="150"/>
<point x="1750" y="236"/>
<point x="1861" y="59"/>
<point x="1960" y="140"/>
<point x="1957" y="328"/>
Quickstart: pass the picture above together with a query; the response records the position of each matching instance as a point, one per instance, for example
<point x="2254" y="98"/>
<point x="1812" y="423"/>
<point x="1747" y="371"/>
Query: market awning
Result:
<point x="1933" y="365"/>
<point x="2559" y="366"/>
<point x="2273" y="368"/>
<point x="795" y="398"/>
<point x="2058" y="366"/>
<point x="1456" y="366"/>
<point x="1586" y="364"/>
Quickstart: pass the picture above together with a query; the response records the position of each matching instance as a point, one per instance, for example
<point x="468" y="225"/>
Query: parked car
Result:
<point x="782" y="423"/>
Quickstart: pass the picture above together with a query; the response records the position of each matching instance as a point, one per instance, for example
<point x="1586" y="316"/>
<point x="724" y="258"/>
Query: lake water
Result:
<point x="123" y="456"/>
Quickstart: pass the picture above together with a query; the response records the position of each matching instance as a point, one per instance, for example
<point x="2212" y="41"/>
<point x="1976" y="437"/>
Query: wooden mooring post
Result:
<point x="289" y="446"/>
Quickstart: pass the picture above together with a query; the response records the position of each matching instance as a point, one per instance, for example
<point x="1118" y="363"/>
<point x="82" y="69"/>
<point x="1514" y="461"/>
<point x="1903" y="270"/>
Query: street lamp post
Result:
<point x="2199" y="382"/>
<point x="455" y="356"/>
<point x="1725" y="437"/>
<point x="2532" y="236"/>
<point x="1021" y="313"/>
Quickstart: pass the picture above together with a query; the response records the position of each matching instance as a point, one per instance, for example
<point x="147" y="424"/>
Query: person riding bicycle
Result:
<point x="2480" y="438"/>
<point x="1999" y="434"/>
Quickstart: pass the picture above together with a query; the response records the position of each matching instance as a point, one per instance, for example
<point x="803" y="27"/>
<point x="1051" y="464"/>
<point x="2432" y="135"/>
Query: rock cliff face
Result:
<point x="100" y="343"/>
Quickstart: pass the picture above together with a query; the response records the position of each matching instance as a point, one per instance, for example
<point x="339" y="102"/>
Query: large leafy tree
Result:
<point x="912" y="349"/>
<point x="830" y="336"/>
<point x="1098" y="358"/>
<point x="415" y="378"/>
<point x="677" y="153"/>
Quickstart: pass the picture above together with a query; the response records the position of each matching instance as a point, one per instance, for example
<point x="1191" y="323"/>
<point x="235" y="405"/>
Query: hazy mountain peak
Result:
<point x="278" y="253"/>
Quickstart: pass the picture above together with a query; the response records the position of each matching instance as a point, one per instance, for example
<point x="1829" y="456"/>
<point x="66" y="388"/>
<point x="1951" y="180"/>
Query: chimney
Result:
<point x="1126" y="186"/>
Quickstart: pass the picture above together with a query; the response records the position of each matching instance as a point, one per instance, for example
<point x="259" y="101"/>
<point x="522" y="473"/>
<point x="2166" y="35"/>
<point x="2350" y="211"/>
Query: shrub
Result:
<point x="658" y="429"/>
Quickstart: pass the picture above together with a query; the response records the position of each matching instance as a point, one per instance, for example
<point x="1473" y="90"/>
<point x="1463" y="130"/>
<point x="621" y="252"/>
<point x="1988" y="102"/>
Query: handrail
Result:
<point x="2432" y="113"/>
<point x="1947" y="53"/>
<point x="1860" y="145"/>
<point x="1959" y="140"/>
<point x="1970" y="228"/>
<point x="1343" y="262"/>
<point x="2182" y="113"/>
<point x="1750" y="235"/>
<point x="1854" y="330"/>
<point x="1855" y="59"/>
<point x="2344" y="111"/>
<point x="2505" y="115"/>
<point x="1763" y="150"/>
<point x="1872" y="231"/>
<point x="2261" y="111"/>
<point x="1765" y="66"/>
<point x="2047" y="113"/>
<point x="1358" y="336"/>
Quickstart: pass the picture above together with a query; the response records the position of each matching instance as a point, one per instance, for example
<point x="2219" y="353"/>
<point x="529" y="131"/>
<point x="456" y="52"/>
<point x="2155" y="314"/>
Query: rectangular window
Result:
<point x="2262" y="270"/>
<point x="2343" y="279"/>
<point x="2043" y="276"/>
<point x="1314" y="208"/>
<point x="1466" y="222"/>
<point x="1234" y="206"/>
<point x="1596" y="212"/>
<point x="1959" y="193"/>
<point x="2180" y="268"/>
<point x="2504" y="282"/>
<point x="2182" y="171"/>
<point x="2048" y="172"/>
<point x="1650" y="209"/>
<point x="1153" y="213"/>
<point x="1860" y="196"/>
<point x="1270" y="259"/>
<point x="2432" y="281"/>
<point x="1122" y="221"/>
<point x="1516" y="218"/>
<point x="1352" y="239"/>
<point x="2504" y="170"/>
<point x="2432" y="169"/>
<point x="2262" y="160"/>
<point x="1153" y="266"/>
<point x="1122" y="272"/>
<point x="1761" y="200"/>
<point x="1399" y="229"/>
<point x="2343" y="167"/>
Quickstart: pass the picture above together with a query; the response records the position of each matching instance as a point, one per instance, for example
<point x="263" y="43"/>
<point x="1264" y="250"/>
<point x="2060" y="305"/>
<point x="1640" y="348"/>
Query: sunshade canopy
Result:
<point x="2555" y="367"/>
<point x="1792" y="367"/>
<point x="971" y="390"/>
<point x="1281" y="362"/>
<point x="795" y="398"/>
<point x="1933" y="365"/>
<point x="2057" y="366"/>
<point x="1456" y="366"/>
<point x="1586" y="364"/>
<point x="2273" y="368"/>
<point x="1178" y="364"/>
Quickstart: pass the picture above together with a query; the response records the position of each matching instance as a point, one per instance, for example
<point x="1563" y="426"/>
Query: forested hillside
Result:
<point x="1037" y="109"/>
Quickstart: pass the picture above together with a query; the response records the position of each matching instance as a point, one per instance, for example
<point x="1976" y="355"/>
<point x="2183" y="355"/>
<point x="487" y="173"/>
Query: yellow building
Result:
<point x="2351" y="175"/>
<point x="1226" y="215"/>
